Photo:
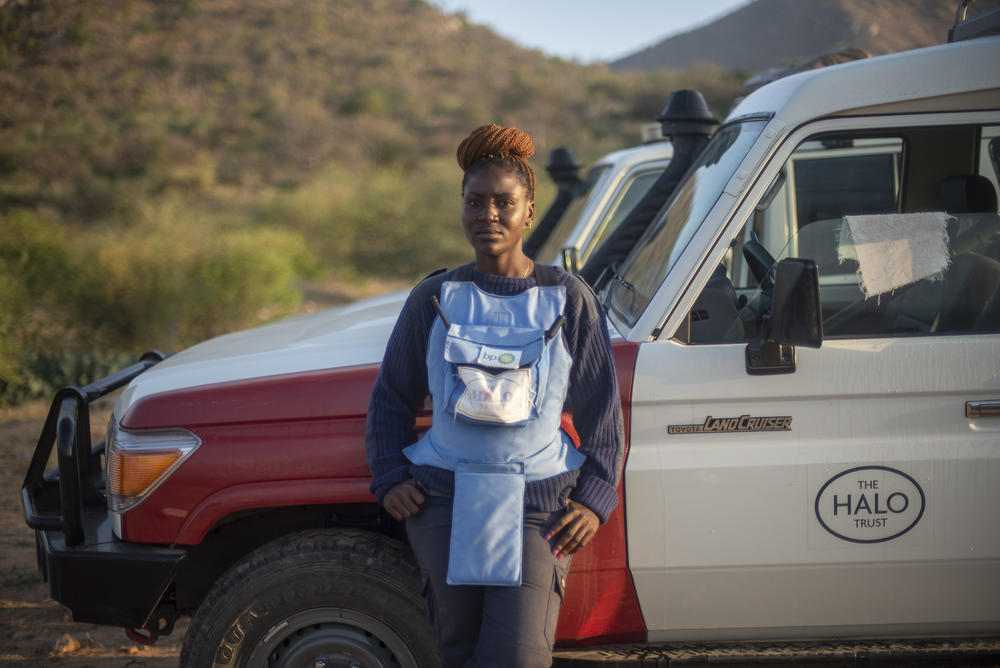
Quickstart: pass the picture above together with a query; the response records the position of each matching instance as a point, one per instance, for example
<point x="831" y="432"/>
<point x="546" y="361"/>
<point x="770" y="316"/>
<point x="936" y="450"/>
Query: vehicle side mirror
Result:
<point x="571" y="259"/>
<point x="795" y="319"/>
<point x="795" y="310"/>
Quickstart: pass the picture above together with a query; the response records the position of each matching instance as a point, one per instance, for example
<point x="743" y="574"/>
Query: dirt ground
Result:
<point x="34" y="630"/>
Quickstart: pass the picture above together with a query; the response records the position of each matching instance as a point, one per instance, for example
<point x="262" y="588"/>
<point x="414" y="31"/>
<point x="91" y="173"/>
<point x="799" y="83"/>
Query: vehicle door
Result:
<point x="856" y="493"/>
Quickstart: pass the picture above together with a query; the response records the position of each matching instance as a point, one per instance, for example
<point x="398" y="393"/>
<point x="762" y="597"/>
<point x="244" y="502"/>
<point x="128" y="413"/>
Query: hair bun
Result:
<point x="494" y="140"/>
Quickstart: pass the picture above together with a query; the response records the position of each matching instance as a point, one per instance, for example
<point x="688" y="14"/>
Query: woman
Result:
<point x="496" y="496"/>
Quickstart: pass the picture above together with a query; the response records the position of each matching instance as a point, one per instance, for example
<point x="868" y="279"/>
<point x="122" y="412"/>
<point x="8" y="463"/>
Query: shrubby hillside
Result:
<point x="171" y="170"/>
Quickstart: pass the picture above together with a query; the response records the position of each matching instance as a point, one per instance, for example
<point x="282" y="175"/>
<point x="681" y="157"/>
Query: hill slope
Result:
<point x="202" y="96"/>
<point x="174" y="169"/>
<point x="770" y="33"/>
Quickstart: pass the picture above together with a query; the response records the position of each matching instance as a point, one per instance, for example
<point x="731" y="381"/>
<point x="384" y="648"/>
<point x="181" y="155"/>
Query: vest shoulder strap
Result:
<point x="546" y="275"/>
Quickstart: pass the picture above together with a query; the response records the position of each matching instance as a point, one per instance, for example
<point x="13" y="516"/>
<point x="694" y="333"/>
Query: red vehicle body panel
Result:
<point x="600" y="595"/>
<point x="278" y="441"/>
<point x="298" y="439"/>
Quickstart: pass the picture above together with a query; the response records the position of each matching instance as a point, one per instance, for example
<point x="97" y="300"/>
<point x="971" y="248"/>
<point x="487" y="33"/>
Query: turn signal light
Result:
<point x="131" y="474"/>
<point x="138" y="461"/>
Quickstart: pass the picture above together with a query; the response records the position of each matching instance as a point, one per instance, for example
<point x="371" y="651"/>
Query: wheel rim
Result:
<point x="331" y="638"/>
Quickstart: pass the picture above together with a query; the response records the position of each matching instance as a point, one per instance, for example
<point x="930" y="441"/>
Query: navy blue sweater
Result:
<point x="401" y="389"/>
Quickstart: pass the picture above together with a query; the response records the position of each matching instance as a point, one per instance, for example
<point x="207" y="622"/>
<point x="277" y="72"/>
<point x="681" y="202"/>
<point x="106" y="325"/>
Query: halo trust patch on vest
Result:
<point x="869" y="505"/>
<point x="502" y="397"/>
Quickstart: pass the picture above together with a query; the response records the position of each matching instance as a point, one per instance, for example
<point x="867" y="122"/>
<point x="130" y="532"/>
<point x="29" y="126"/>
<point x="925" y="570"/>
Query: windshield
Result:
<point x="551" y="250"/>
<point x="663" y="242"/>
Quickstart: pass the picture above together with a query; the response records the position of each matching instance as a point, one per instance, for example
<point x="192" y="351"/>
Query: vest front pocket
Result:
<point x="487" y="524"/>
<point x="492" y="373"/>
<point x="503" y="398"/>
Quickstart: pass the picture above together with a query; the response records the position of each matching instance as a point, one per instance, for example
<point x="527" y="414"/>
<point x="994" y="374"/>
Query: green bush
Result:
<point x="41" y="374"/>
<point x="175" y="281"/>
<point x="13" y="300"/>
<point x="368" y="101"/>
<point x="404" y="222"/>
<point x="33" y="275"/>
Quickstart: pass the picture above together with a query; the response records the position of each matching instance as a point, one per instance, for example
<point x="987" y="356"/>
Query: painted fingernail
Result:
<point x="555" y="553"/>
<point x="559" y="556"/>
<point x="548" y="536"/>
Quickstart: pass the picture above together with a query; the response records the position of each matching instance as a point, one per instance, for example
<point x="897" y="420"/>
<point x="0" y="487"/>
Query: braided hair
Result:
<point x="493" y="144"/>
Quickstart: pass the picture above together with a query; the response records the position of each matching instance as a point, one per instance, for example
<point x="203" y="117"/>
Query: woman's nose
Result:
<point x="489" y="212"/>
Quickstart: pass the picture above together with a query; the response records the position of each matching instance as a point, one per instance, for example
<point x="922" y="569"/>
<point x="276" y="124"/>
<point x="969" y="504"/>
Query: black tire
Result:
<point x="333" y="597"/>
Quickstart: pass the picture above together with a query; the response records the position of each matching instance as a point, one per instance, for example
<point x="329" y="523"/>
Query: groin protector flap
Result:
<point x="487" y="524"/>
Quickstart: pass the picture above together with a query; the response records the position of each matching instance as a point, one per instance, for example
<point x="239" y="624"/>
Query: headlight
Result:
<point x="140" y="460"/>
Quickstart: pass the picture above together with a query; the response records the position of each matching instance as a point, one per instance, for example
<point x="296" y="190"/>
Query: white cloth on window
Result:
<point x="895" y="249"/>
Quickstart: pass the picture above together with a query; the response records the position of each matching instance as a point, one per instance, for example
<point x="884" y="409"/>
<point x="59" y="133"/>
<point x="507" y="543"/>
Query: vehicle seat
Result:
<point x="715" y="315"/>
<point x="973" y="202"/>
<point x="970" y="286"/>
<point x="989" y="320"/>
<point x="968" y="193"/>
<point x="970" y="297"/>
<point x="958" y="299"/>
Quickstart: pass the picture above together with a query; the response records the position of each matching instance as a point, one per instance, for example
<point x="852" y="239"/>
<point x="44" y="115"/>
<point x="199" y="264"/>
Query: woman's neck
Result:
<point x="513" y="266"/>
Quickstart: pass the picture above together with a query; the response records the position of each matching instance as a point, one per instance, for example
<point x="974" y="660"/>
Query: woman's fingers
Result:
<point x="403" y="500"/>
<point x="574" y="529"/>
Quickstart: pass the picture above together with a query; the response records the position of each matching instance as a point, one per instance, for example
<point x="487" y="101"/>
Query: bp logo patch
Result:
<point x="498" y="358"/>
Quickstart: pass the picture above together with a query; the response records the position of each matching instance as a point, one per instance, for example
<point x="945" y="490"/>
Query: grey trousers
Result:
<point x="479" y="626"/>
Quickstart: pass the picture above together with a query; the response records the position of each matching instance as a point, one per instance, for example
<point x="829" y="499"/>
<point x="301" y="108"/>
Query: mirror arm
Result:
<point x="765" y="356"/>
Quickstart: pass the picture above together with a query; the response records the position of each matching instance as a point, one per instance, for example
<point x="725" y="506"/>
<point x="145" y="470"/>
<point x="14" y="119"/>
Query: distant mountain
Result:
<point x="772" y="33"/>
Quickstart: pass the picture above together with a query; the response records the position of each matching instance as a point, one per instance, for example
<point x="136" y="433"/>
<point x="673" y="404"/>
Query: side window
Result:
<point x="906" y="237"/>
<point x="638" y="183"/>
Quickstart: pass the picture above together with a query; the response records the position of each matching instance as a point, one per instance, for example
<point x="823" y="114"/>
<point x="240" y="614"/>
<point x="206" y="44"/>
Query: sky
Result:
<point x="590" y="31"/>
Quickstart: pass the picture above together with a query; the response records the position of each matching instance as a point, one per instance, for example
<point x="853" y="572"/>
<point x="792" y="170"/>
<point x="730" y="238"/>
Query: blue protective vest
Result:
<point x="498" y="373"/>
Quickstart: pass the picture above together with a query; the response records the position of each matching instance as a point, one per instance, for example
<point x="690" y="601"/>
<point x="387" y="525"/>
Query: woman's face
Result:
<point x="495" y="211"/>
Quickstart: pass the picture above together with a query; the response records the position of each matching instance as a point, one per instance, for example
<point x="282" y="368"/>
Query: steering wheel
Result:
<point x="760" y="261"/>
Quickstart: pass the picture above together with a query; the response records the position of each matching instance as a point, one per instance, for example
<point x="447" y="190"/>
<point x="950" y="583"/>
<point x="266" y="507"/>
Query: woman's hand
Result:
<point x="574" y="529"/>
<point x="403" y="500"/>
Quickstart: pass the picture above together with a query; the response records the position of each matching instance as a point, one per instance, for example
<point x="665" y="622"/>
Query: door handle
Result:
<point x="974" y="409"/>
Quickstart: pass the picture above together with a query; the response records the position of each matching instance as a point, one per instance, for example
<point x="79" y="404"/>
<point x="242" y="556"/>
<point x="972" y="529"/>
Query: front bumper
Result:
<point x="101" y="579"/>
<point x="105" y="580"/>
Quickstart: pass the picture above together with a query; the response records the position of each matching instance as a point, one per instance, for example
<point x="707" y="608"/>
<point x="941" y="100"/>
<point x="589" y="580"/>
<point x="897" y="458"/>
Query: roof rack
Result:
<point x="987" y="23"/>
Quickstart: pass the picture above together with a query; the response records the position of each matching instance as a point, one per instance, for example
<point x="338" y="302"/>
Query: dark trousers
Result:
<point x="490" y="626"/>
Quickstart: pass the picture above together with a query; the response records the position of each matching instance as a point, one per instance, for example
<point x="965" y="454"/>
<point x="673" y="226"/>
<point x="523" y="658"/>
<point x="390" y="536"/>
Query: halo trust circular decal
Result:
<point x="870" y="504"/>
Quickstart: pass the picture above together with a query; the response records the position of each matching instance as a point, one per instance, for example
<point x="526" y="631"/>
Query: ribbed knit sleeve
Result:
<point x="594" y="398"/>
<point x="399" y="393"/>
